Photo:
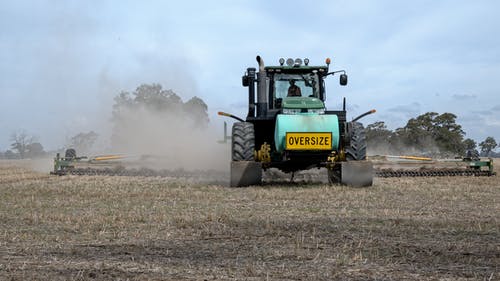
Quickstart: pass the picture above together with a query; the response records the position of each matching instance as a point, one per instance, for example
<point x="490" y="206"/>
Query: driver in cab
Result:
<point x="293" y="90"/>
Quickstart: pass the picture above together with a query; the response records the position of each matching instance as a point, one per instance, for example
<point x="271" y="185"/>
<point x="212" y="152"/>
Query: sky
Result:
<point x="63" y="62"/>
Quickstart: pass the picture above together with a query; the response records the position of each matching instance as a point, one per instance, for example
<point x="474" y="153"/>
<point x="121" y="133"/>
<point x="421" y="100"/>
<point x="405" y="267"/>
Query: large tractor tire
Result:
<point x="244" y="170"/>
<point x="243" y="142"/>
<point x="355" y="171"/>
<point x="356" y="150"/>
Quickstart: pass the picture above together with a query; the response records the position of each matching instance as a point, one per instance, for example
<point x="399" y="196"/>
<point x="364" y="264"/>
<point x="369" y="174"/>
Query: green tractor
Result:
<point x="289" y="128"/>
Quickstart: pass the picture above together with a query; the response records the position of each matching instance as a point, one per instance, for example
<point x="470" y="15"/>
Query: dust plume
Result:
<point x="168" y="133"/>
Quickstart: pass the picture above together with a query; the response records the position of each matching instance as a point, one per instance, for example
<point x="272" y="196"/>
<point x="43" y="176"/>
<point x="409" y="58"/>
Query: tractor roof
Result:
<point x="295" y="69"/>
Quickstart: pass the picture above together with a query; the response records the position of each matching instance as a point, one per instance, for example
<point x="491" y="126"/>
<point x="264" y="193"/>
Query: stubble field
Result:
<point x="139" y="228"/>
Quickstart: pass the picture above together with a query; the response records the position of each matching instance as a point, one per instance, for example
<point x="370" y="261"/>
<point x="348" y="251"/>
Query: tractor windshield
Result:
<point x="286" y="85"/>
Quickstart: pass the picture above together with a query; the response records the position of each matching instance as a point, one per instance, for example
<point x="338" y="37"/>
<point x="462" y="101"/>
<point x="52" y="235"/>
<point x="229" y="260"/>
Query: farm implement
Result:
<point x="122" y="165"/>
<point x="412" y="166"/>
<point x="384" y="166"/>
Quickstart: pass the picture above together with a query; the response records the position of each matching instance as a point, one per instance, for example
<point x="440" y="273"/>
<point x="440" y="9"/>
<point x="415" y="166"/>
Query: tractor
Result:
<point x="289" y="128"/>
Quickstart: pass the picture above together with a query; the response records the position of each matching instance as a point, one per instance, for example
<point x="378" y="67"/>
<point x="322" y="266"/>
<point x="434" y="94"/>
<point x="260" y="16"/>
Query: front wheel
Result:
<point x="245" y="170"/>
<point x="356" y="150"/>
<point x="243" y="141"/>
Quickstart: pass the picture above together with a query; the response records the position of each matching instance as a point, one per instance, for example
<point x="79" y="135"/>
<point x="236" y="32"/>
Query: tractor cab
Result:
<point x="295" y="84"/>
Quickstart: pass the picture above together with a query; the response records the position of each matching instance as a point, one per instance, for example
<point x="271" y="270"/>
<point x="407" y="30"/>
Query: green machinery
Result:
<point x="288" y="127"/>
<point x="81" y="165"/>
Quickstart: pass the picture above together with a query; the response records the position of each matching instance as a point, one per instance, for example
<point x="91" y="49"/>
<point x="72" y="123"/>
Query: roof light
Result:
<point x="306" y="61"/>
<point x="298" y="62"/>
<point x="282" y="61"/>
<point x="328" y="61"/>
<point x="289" y="62"/>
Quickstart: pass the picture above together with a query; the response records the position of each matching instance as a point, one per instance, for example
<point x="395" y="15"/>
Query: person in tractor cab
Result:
<point x="294" y="90"/>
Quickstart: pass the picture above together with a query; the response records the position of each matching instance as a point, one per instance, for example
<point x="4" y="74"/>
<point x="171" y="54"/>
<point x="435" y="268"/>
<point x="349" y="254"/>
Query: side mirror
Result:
<point x="244" y="81"/>
<point x="343" y="79"/>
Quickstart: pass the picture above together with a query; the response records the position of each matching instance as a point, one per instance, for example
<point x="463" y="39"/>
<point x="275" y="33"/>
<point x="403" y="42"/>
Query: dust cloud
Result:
<point x="169" y="140"/>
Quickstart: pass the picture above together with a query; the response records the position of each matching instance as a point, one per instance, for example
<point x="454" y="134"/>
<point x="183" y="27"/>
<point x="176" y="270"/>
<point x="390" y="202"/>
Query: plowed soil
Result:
<point x="147" y="228"/>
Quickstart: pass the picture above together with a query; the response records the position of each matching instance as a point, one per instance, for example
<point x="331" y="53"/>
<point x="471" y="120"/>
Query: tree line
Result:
<point x="430" y="134"/>
<point x="26" y="146"/>
<point x="129" y="107"/>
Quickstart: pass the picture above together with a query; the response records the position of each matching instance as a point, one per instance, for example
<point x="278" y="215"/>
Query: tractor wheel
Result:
<point x="354" y="171"/>
<point x="356" y="150"/>
<point x="243" y="142"/>
<point x="70" y="153"/>
<point x="245" y="170"/>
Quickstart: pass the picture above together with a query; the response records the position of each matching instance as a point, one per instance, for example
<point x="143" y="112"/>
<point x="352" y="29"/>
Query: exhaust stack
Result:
<point x="262" y="105"/>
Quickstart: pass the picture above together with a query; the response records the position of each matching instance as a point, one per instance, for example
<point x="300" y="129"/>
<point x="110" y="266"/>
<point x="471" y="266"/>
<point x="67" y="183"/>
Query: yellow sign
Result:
<point x="309" y="141"/>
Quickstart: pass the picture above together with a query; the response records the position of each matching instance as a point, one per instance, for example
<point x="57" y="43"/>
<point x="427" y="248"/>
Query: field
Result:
<point x="139" y="228"/>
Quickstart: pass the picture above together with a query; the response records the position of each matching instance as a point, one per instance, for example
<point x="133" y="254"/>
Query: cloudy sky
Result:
<point x="62" y="62"/>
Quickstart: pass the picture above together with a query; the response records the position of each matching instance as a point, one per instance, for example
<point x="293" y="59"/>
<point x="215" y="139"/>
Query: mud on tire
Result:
<point x="243" y="142"/>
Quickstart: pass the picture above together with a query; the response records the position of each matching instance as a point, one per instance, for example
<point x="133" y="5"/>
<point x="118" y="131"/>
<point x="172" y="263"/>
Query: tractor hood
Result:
<point x="302" y="103"/>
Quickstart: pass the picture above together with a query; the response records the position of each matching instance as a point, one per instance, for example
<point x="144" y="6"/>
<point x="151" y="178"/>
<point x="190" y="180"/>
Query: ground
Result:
<point x="140" y="228"/>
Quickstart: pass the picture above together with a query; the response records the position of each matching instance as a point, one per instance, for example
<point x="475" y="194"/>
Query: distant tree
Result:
<point x="83" y="142"/>
<point x="469" y="144"/>
<point x="196" y="110"/>
<point x="150" y="97"/>
<point x="21" y="142"/>
<point x="35" y="150"/>
<point x="449" y="135"/>
<point x="379" y="138"/>
<point x="9" y="154"/>
<point x="150" y="111"/>
<point x="487" y="146"/>
<point x="432" y="130"/>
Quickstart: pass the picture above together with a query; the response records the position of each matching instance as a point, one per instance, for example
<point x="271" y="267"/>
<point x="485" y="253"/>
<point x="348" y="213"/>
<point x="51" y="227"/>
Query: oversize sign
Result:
<point x="309" y="141"/>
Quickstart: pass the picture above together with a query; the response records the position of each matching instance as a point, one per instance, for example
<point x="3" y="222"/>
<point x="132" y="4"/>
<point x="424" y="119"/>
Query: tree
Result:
<point x="431" y="131"/>
<point x="9" y="154"/>
<point x="196" y="109"/>
<point x="487" y="146"/>
<point x="469" y="144"/>
<point x="379" y="139"/>
<point x="83" y="142"/>
<point x="21" y="142"/>
<point x="35" y="150"/>
<point x="149" y="115"/>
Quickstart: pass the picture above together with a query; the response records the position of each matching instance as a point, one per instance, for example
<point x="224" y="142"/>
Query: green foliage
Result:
<point x="429" y="133"/>
<point x="487" y="146"/>
<point x="469" y="144"/>
<point x="153" y="99"/>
